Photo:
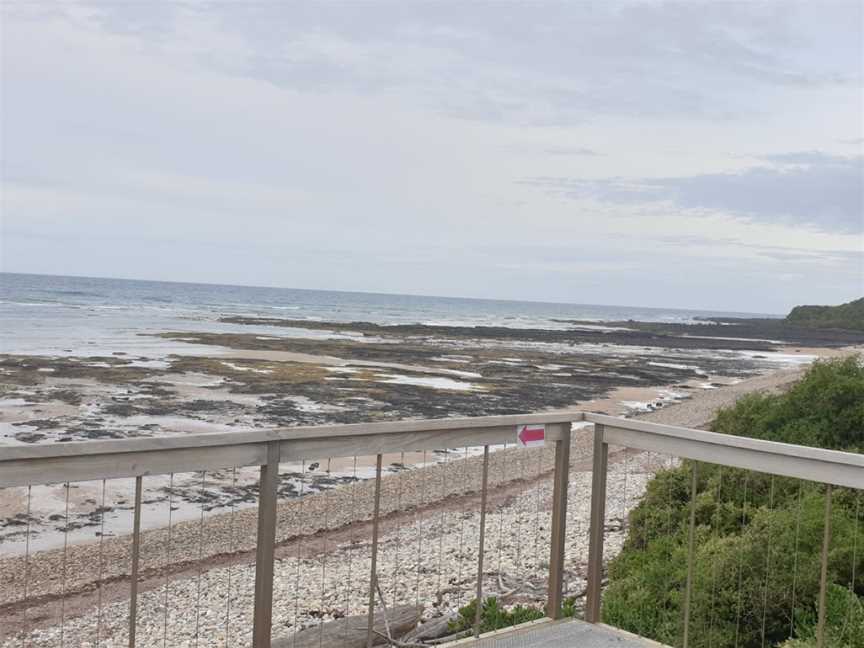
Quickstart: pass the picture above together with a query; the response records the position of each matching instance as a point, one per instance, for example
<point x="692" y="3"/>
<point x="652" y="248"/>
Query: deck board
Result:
<point x="568" y="634"/>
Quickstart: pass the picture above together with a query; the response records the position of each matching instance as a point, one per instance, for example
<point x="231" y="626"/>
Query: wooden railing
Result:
<point x="828" y="467"/>
<point x="140" y="458"/>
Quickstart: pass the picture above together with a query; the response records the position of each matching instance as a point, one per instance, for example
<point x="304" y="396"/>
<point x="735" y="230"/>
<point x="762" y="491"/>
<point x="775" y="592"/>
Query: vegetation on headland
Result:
<point x="845" y="316"/>
<point x="758" y="539"/>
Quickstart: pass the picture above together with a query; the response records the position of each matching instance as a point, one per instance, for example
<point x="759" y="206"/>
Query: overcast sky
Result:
<point x="704" y="155"/>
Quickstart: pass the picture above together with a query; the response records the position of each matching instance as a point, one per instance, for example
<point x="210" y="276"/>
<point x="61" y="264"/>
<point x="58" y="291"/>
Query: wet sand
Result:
<point x="259" y="382"/>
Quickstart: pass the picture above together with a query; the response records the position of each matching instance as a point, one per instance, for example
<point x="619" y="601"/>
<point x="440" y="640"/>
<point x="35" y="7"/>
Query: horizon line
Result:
<point x="387" y="294"/>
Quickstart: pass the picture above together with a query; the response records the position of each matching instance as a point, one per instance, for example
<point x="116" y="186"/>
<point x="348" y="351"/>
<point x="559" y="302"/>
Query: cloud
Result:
<point x="375" y="147"/>
<point x="809" y="188"/>
<point x="836" y="258"/>
<point x="561" y="65"/>
<point x="571" y="150"/>
<point x="809" y="158"/>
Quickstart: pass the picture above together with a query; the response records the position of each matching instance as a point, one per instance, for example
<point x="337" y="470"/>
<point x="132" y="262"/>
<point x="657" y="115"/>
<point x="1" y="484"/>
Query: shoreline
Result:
<point x="220" y="491"/>
<point x="346" y="373"/>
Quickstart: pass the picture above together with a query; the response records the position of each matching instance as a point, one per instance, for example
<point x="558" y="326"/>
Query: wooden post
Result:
<point x="373" y="572"/>
<point x="268" y="486"/>
<point x="560" y="485"/>
<point x="481" y="544"/>
<point x="691" y="554"/>
<point x="823" y="575"/>
<point x="136" y="552"/>
<point x="598" y="524"/>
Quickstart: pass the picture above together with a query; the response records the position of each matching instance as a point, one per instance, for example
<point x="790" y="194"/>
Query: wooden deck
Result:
<point x="563" y="634"/>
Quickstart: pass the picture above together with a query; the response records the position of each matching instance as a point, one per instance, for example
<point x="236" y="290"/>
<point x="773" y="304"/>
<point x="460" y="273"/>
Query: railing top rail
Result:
<point x="729" y="440"/>
<point x="20" y="465"/>
<point x="306" y="432"/>
<point x="802" y="462"/>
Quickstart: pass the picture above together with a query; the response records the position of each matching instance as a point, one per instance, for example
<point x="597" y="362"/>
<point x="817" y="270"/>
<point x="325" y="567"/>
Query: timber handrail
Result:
<point x="91" y="460"/>
<point x="76" y="461"/>
<point x="829" y="467"/>
<point x="85" y="460"/>
<point x="280" y="434"/>
<point x="26" y="465"/>
<point x="784" y="459"/>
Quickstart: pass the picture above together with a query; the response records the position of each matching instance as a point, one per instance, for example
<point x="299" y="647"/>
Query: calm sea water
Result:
<point x="55" y="315"/>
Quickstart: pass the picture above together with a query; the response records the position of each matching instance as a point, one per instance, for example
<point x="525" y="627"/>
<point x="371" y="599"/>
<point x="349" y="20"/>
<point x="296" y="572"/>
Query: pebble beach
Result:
<point x="198" y="577"/>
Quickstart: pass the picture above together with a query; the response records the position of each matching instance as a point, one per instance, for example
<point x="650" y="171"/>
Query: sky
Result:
<point x="673" y="154"/>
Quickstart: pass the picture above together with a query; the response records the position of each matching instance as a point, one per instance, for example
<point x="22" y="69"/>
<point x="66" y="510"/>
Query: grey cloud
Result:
<point x="806" y="188"/>
<point x="821" y="257"/>
<point x="250" y="143"/>
<point x="795" y="255"/>
<point x="807" y="157"/>
<point x="567" y="150"/>
<point x="556" y="66"/>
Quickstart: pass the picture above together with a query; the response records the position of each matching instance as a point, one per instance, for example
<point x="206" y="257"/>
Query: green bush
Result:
<point x="845" y="622"/>
<point x="493" y="616"/>
<point x="845" y="316"/>
<point x="758" y="539"/>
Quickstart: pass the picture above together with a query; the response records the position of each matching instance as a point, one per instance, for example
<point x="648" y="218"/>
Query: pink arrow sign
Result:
<point x="531" y="435"/>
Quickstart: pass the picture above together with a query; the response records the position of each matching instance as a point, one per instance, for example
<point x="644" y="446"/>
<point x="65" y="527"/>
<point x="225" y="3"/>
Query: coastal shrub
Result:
<point x="493" y="616"/>
<point x="570" y="606"/>
<point x="758" y="538"/>
<point x="845" y="316"/>
<point x="844" y="627"/>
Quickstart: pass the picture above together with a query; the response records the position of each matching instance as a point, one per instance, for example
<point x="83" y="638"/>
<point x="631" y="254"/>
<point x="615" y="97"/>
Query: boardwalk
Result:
<point x="567" y="634"/>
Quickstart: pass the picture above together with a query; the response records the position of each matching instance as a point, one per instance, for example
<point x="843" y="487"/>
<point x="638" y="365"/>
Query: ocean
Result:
<point x="63" y="316"/>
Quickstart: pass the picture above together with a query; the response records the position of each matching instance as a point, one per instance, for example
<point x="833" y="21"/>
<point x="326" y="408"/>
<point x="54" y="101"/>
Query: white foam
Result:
<point x="780" y="358"/>
<point x="434" y="382"/>
<point x="732" y="339"/>
<point x="305" y="404"/>
<point x="193" y="380"/>
<point x="9" y="430"/>
<point x="673" y="365"/>
<point x="237" y="367"/>
<point x="453" y="358"/>
<point x="12" y="402"/>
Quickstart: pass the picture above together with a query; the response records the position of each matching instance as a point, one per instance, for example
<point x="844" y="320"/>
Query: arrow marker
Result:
<point x="531" y="435"/>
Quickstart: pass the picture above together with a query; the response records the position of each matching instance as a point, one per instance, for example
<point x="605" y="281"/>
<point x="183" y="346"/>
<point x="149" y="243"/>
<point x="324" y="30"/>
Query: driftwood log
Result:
<point x="350" y="632"/>
<point x="432" y="629"/>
